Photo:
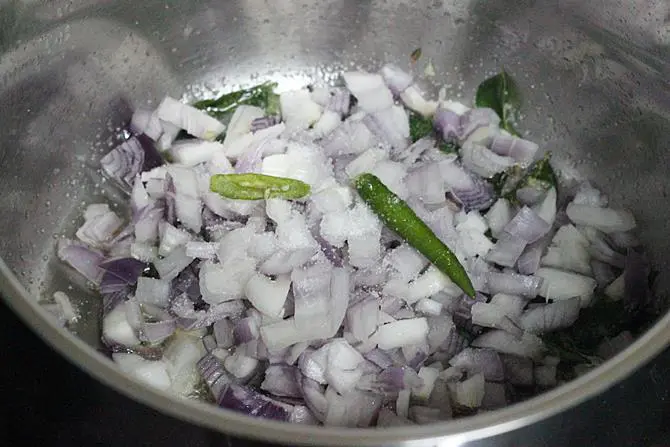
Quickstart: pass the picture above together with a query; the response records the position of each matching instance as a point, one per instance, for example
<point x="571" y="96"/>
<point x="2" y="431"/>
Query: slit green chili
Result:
<point x="257" y="187"/>
<point x="399" y="217"/>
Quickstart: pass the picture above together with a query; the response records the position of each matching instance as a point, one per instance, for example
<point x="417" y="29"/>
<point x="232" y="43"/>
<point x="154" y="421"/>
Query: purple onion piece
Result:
<point x="477" y="118"/>
<point x="454" y="344"/>
<point x="396" y="79"/>
<point x="527" y="226"/>
<point x="250" y="161"/>
<point x="170" y="200"/>
<point x="213" y="373"/>
<point x="264" y="122"/>
<point x="82" y="258"/>
<point x="245" y="330"/>
<point x="333" y="254"/>
<point x="280" y="380"/>
<point x="485" y="361"/>
<point x="480" y="197"/>
<point x="637" y="296"/>
<point x="127" y="270"/>
<point x="113" y="299"/>
<point x="448" y="124"/>
<point x="518" y="370"/>
<point x="522" y="151"/>
<point x="157" y="331"/>
<point x="252" y="403"/>
<point x="123" y="163"/>
<point x="529" y="261"/>
<point x="187" y="282"/>
<point x="152" y="158"/>
<point x="379" y="358"/>
<point x="340" y="101"/>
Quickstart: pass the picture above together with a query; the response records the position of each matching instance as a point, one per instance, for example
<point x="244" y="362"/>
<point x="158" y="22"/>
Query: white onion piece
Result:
<point x="427" y="284"/>
<point x="171" y="238"/>
<point x="513" y="284"/>
<point x="475" y="361"/>
<point x="64" y="311"/>
<point x="406" y="261"/>
<point x="146" y="121"/>
<point x="499" y="216"/>
<point x="510" y="305"/>
<point x="547" y="208"/>
<point x="528" y="345"/>
<point x="169" y="267"/>
<point x="239" y="127"/>
<point x="402" y="403"/>
<point x="470" y="392"/>
<point x="298" y="110"/>
<point x="568" y="251"/>
<point x="170" y="132"/>
<point x="429" y="376"/>
<point x="227" y="281"/>
<point x="588" y="195"/>
<point x="193" y="152"/>
<point x="240" y="366"/>
<point x="192" y="120"/>
<point x="482" y="161"/>
<point x="506" y="250"/>
<point x="413" y="99"/>
<point x="116" y="328"/>
<point x="560" y="285"/>
<point x="182" y="355"/>
<point x="369" y="89"/>
<point x="339" y="298"/>
<point x="527" y="225"/>
<point x="489" y="315"/>
<point x="153" y="291"/>
<point x="608" y="220"/>
<point x="267" y="295"/>
<point x="523" y="151"/>
<point x="428" y="307"/>
<point x="151" y="372"/>
<point x="395" y="78"/>
<point x="549" y="317"/>
<point x="391" y="126"/>
<point x="401" y="333"/>
<point x="100" y="225"/>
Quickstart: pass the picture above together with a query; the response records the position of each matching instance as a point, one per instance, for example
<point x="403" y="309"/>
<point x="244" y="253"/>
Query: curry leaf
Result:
<point x="262" y="96"/>
<point x="501" y="94"/>
<point x="419" y="126"/>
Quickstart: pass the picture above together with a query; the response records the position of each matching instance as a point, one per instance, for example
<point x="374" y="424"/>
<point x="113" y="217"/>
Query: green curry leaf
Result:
<point x="501" y="94"/>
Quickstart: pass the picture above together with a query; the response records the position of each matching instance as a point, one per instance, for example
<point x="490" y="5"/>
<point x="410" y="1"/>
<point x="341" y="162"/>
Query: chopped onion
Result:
<point x="470" y="392"/>
<point x="527" y="346"/>
<point x="513" y="284"/>
<point x="401" y="333"/>
<point x="607" y="220"/>
<point x="550" y="317"/>
<point x="192" y="120"/>
<point x="560" y="285"/>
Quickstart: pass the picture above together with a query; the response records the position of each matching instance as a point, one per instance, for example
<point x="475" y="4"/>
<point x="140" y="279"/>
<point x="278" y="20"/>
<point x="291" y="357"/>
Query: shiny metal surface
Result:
<point x="594" y="75"/>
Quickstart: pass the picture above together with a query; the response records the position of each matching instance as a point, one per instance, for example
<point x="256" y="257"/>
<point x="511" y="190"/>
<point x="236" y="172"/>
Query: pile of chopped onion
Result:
<point x="311" y="311"/>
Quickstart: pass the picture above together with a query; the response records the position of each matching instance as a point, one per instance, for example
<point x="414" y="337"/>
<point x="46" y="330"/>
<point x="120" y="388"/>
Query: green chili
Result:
<point x="399" y="217"/>
<point x="257" y="187"/>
